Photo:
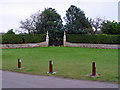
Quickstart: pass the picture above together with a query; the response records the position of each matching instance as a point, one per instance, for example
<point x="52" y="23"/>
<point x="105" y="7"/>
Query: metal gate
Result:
<point x="56" y="43"/>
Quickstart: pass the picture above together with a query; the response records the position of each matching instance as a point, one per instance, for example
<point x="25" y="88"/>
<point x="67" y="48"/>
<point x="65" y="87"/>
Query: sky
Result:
<point x="13" y="11"/>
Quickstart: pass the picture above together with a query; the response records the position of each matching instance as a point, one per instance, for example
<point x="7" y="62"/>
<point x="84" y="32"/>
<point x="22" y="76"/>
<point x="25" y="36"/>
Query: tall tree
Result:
<point x="50" y="21"/>
<point x="10" y="31"/>
<point x="96" y="24"/>
<point x="111" y="27"/>
<point x="41" y="22"/>
<point x="26" y="25"/>
<point x="76" y="21"/>
<point x="29" y="25"/>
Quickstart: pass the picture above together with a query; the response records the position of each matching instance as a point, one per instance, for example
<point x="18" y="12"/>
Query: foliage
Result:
<point x="27" y="26"/>
<point x="76" y="21"/>
<point x="34" y="38"/>
<point x="18" y="39"/>
<point x="97" y="39"/>
<point x="0" y="38"/>
<point x="96" y="24"/>
<point x="50" y="21"/>
<point x="41" y="22"/>
<point x="111" y="27"/>
<point x="10" y="31"/>
<point x="11" y="39"/>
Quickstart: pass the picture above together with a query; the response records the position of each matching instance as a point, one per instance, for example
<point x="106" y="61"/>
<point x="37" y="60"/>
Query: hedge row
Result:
<point x="73" y="38"/>
<point x="18" y="39"/>
<point x="93" y="39"/>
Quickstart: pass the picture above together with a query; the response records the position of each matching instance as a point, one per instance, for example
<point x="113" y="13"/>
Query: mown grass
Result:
<point x="69" y="62"/>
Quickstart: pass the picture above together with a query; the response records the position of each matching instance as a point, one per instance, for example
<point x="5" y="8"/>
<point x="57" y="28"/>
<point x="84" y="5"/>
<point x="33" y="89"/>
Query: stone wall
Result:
<point x="29" y="45"/>
<point x="104" y="46"/>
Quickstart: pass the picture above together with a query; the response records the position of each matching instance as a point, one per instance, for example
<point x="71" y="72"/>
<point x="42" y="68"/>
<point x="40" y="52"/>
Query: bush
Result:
<point x="34" y="38"/>
<point x="11" y="39"/>
<point x="18" y="39"/>
<point x="10" y="32"/>
<point x="93" y="39"/>
<point x="111" y="27"/>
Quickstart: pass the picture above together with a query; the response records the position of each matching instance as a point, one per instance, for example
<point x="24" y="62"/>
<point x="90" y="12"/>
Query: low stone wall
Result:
<point x="68" y="44"/>
<point x="104" y="46"/>
<point x="29" y="45"/>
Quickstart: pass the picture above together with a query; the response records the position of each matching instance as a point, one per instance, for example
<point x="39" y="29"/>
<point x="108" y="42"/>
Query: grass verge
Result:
<point x="69" y="62"/>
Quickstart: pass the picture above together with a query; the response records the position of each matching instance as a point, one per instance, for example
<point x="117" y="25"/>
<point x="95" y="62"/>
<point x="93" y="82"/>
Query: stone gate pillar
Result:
<point x="47" y="39"/>
<point x="64" y="39"/>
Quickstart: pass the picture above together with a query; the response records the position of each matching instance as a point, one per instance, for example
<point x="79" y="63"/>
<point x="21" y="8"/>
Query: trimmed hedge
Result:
<point x="11" y="39"/>
<point x="34" y="38"/>
<point x="93" y="39"/>
<point x="73" y="38"/>
<point x="19" y="39"/>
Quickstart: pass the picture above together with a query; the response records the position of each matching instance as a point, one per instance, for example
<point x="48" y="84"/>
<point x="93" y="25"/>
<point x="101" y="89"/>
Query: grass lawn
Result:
<point x="69" y="62"/>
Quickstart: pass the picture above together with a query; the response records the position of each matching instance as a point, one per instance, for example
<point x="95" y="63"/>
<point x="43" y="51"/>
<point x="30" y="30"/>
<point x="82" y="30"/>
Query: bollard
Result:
<point x="93" y="69"/>
<point x="93" y="74"/>
<point x="51" y="66"/>
<point x="19" y="63"/>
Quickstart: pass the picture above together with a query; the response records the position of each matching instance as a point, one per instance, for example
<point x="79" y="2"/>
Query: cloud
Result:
<point x="13" y="11"/>
<point x="37" y="1"/>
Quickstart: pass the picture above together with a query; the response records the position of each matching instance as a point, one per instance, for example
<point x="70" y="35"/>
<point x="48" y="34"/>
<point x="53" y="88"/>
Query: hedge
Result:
<point x="19" y="39"/>
<point x="34" y="38"/>
<point x="73" y="38"/>
<point x="93" y="39"/>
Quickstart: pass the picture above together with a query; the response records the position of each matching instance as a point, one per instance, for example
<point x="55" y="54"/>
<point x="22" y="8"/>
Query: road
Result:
<point x="19" y="80"/>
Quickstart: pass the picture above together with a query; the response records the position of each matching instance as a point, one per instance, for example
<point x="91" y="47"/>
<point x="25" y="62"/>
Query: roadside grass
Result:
<point x="69" y="62"/>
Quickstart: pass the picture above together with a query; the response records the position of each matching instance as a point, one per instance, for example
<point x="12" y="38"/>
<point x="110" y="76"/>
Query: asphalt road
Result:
<point x="18" y="80"/>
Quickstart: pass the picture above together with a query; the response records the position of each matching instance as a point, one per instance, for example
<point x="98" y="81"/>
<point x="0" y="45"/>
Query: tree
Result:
<point x="29" y="25"/>
<point x="76" y="21"/>
<point x="50" y="21"/>
<point x="111" y="27"/>
<point x="41" y="22"/>
<point x="96" y="24"/>
<point x="10" y="31"/>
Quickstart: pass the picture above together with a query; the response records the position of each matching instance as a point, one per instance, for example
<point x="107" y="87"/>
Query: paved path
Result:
<point x="18" y="80"/>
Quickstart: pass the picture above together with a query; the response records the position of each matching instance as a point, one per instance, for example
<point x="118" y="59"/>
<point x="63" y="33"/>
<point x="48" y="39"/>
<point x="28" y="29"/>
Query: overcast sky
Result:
<point x="13" y="11"/>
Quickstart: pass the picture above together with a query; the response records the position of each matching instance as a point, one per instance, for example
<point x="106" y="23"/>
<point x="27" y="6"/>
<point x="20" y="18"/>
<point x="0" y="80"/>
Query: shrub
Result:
<point x="95" y="39"/>
<point x="10" y="32"/>
<point x="11" y="39"/>
<point x="34" y="38"/>
<point x="18" y="39"/>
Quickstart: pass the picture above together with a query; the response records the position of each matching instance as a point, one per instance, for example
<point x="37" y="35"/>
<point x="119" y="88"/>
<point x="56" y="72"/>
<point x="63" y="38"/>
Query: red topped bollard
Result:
<point x="93" y="74"/>
<point x="93" y="69"/>
<point x="19" y="63"/>
<point x="51" y="67"/>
